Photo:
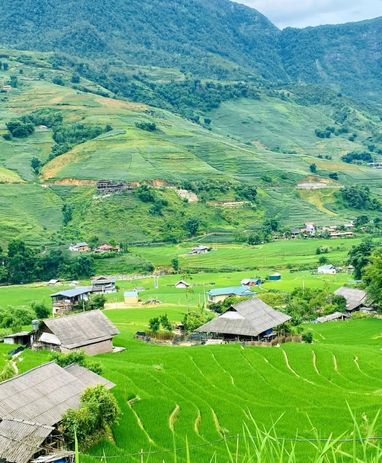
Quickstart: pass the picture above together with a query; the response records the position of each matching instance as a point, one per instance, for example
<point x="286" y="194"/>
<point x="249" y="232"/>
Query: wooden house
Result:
<point x="247" y="320"/>
<point x="356" y="299"/>
<point x="91" y="332"/>
<point x="32" y="406"/>
<point x="65" y="301"/>
<point x="221" y="294"/>
<point x="22" y="338"/>
<point x="104" y="285"/>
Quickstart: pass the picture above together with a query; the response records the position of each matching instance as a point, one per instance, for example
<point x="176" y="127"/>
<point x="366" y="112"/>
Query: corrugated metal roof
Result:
<point x="81" y="329"/>
<point x="73" y="292"/>
<point x="233" y="290"/>
<point x="32" y="403"/>
<point x="248" y="318"/>
<point x="332" y="317"/>
<point x="355" y="298"/>
<point x="20" y="440"/>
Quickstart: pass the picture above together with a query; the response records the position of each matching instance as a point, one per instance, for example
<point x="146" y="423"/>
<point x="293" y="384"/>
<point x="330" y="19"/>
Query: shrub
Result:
<point x="79" y="358"/>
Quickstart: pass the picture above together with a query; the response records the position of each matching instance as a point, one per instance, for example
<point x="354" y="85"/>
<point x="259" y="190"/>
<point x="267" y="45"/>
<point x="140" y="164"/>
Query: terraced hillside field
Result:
<point x="206" y="394"/>
<point x="268" y="143"/>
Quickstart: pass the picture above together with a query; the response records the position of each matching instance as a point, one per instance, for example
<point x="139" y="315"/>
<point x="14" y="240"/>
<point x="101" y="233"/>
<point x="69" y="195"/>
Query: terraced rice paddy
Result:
<point x="203" y="394"/>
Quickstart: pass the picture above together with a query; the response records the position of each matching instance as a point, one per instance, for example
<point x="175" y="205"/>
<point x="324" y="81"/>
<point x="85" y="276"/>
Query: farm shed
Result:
<point x="327" y="270"/>
<point x="336" y="316"/>
<point x="274" y="277"/>
<point x="23" y="338"/>
<point x="104" y="285"/>
<point x="182" y="285"/>
<point x="249" y="320"/>
<point x="91" y="332"/>
<point x="33" y="404"/>
<point x="221" y="294"/>
<point x="355" y="298"/>
<point x="65" y="301"/>
<point x="131" y="297"/>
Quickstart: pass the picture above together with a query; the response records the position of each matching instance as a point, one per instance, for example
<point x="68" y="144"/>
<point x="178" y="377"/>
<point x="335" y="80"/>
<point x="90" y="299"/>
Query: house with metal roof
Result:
<point x="91" y="332"/>
<point x="181" y="284"/>
<point x="104" y="285"/>
<point x="32" y="406"/>
<point x="248" y="320"/>
<point x="65" y="301"/>
<point x="356" y="299"/>
<point x="221" y="294"/>
<point x="327" y="270"/>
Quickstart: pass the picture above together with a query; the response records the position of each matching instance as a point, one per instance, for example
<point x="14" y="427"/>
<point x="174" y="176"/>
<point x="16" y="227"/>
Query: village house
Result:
<point x="79" y="247"/>
<point x="200" y="249"/>
<point x="356" y="299"/>
<point x="91" y="332"/>
<point x="32" y="406"/>
<point x="336" y="316"/>
<point x="341" y="234"/>
<point x="131" y="297"/>
<point x="181" y="284"/>
<point x="309" y="229"/>
<point x="65" y="301"/>
<point x="251" y="282"/>
<point x="247" y="320"/>
<point x="104" y="285"/>
<point x="105" y="248"/>
<point x="107" y="187"/>
<point x="327" y="270"/>
<point x="221" y="294"/>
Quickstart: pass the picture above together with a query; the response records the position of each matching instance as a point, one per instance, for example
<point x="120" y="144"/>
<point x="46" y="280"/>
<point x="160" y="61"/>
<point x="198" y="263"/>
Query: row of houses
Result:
<point x="102" y="249"/>
<point x="334" y="231"/>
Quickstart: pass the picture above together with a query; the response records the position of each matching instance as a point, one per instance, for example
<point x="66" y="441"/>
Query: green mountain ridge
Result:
<point x="214" y="38"/>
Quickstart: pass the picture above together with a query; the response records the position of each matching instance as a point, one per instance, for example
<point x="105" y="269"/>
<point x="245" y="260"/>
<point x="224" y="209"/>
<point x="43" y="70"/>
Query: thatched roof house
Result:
<point x="32" y="405"/>
<point x="91" y="332"/>
<point x="252" y="319"/>
<point x="355" y="298"/>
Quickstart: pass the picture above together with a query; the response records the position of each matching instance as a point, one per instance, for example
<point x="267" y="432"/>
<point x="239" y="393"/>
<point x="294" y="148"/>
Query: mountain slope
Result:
<point x="348" y="56"/>
<point x="204" y="36"/>
<point x="268" y="143"/>
<point x="214" y="38"/>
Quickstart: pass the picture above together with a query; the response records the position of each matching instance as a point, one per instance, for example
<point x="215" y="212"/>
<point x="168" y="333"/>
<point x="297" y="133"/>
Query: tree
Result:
<point x="41" y="310"/>
<point x="313" y="168"/>
<point x="67" y="213"/>
<point x="175" y="264"/>
<point x="359" y="257"/>
<point x="193" y="320"/>
<point x="75" y="79"/>
<point x="64" y="360"/>
<point x="154" y="324"/>
<point x="373" y="278"/>
<point x="98" y="412"/>
<point x="192" y="226"/>
<point x="36" y="165"/>
<point x="323" y="260"/>
<point x="96" y="302"/>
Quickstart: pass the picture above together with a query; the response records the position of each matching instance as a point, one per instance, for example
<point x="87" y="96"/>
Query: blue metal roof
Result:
<point x="74" y="292"/>
<point x="130" y="293"/>
<point x="233" y="290"/>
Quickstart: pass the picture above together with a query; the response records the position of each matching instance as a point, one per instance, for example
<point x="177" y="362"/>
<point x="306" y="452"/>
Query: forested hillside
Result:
<point x="209" y="38"/>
